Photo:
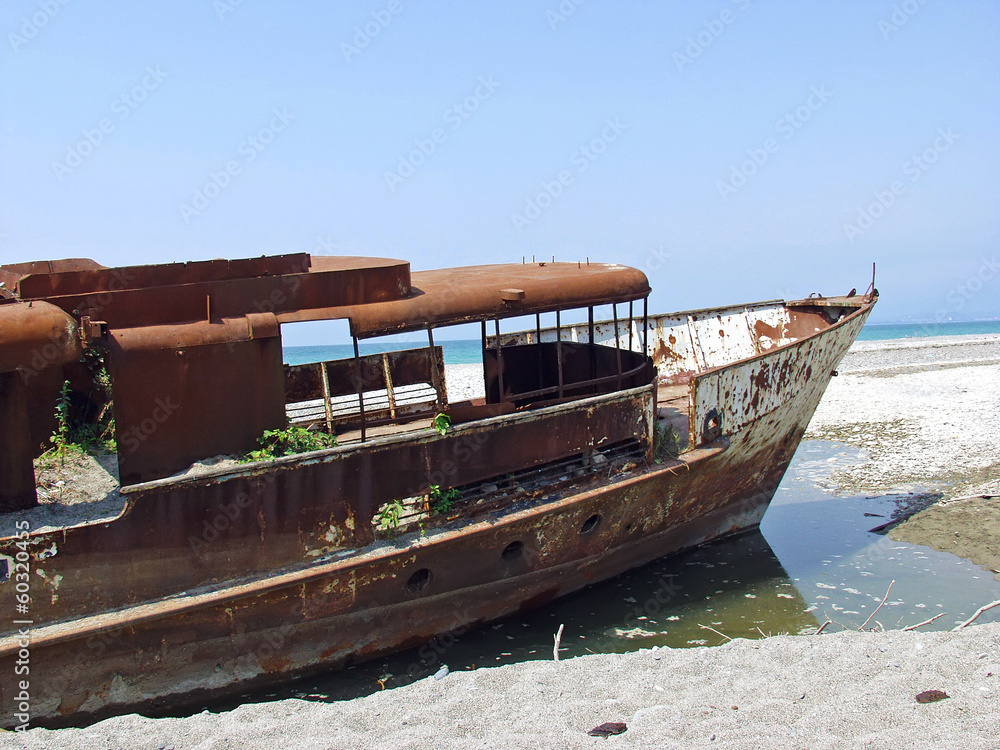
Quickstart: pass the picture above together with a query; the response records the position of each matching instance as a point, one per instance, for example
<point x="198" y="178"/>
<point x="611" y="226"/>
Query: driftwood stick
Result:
<point x="925" y="622"/>
<point x="706" y="627"/>
<point x="884" y="599"/>
<point x="966" y="497"/>
<point x="558" y="639"/>
<point x="979" y="611"/>
<point x="822" y="627"/>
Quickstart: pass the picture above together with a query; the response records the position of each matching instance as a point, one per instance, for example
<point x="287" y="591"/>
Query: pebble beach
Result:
<point x="924" y="415"/>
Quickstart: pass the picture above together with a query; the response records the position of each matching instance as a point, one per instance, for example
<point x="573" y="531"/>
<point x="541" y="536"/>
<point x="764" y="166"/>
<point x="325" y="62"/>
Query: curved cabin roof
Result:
<point x="378" y="295"/>
<point x="472" y="293"/>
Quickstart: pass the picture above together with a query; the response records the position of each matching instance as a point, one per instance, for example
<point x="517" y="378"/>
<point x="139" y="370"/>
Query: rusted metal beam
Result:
<point x="36" y="335"/>
<point x="17" y="486"/>
<point x="96" y="281"/>
<point x="474" y="293"/>
<point x="326" y="289"/>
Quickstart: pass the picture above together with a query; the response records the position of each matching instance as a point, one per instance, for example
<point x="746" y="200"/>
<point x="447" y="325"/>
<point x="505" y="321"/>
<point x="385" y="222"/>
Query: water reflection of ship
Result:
<point x="736" y="586"/>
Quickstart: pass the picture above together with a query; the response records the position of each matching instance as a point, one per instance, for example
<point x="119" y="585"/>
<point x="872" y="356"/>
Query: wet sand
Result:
<point x="926" y="417"/>
<point x="967" y="527"/>
<point x="926" y="413"/>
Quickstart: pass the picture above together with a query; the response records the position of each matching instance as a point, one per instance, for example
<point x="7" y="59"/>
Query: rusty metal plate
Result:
<point x="743" y="392"/>
<point x="62" y="283"/>
<point x="165" y="416"/>
<point x="327" y="285"/>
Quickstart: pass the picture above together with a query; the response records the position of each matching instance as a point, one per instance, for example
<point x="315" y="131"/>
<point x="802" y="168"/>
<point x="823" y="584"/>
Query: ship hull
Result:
<point x="231" y="636"/>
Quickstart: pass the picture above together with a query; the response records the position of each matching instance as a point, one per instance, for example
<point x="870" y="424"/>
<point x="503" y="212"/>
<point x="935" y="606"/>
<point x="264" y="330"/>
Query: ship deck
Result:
<point x="672" y="410"/>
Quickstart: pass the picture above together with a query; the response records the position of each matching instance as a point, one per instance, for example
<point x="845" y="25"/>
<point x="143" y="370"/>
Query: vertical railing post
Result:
<point x="389" y="390"/>
<point x="645" y="326"/>
<point x="591" y="343"/>
<point x="618" y="351"/>
<point x="499" y="350"/>
<point x="486" y="379"/>
<point x="327" y="406"/>
<point x="559" y="361"/>
<point x="538" y="347"/>
<point x="441" y="397"/>
<point x="631" y="319"/>
<point x="359" y="381"/>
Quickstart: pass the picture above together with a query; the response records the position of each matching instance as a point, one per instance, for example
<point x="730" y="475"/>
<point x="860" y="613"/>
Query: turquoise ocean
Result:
<point x="468" y="351"/>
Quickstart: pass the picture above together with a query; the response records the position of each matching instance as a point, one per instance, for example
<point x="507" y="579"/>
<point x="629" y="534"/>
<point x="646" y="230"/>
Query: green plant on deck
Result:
<point x="62" y="442"/>
<point x="665" y="442"/>
<point x="388" y="518"/>
<point x="100" y="434"/>
<point x="288" y="442"/>
<point x="441" y="423"/>
<point x="442" y="501"/>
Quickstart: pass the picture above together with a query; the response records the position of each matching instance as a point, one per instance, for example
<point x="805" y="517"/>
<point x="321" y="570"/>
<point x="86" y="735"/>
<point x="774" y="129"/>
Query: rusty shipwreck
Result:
<point x="242" y="575"/>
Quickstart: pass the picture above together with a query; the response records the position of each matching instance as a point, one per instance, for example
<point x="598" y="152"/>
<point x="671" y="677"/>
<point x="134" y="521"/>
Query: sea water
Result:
<point x="469" y="351"/>
<point x="883" y="331"/>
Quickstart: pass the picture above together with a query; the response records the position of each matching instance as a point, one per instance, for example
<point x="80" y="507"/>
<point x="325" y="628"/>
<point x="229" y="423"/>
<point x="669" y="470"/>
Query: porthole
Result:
<point x="590" y="524"/>
<point x="418" y="581"/>
<point x="512" y="552"/>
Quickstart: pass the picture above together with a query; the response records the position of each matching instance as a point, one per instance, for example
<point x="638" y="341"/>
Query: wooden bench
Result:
<point x="395" y="386"/>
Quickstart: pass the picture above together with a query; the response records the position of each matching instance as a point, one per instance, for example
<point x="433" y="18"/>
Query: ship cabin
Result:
<point x="195" y="360"/>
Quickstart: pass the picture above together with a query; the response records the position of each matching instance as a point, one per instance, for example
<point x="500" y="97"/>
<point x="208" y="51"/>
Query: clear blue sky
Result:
<point x="734" y="150"/>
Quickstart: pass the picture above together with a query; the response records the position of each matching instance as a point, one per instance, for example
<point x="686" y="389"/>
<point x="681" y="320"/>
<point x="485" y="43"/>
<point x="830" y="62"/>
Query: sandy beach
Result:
<point x="845" y="690"/>
<point x="924" y="416"/>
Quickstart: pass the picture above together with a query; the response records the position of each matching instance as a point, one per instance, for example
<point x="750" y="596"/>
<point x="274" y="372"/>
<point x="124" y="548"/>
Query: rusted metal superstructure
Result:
<point x="239" y="576"/>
